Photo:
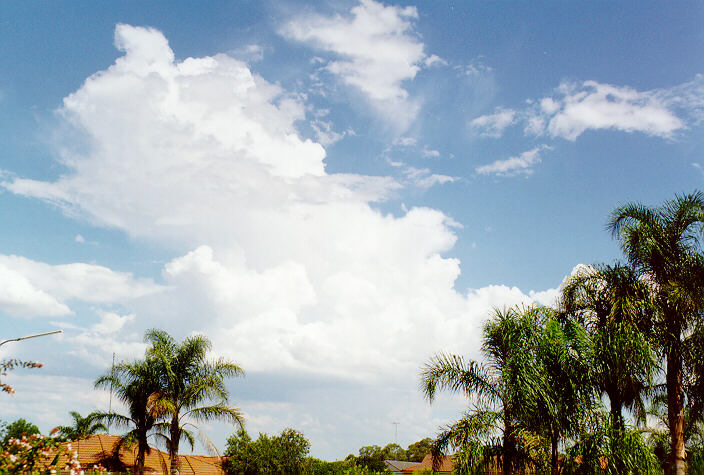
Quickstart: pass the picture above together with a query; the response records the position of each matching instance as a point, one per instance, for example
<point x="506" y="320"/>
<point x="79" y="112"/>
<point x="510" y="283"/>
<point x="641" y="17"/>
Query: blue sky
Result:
<point x="331" y="191"/>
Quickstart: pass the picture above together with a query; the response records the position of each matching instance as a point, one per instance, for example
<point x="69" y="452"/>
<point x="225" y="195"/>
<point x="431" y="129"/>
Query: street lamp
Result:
<point x="30" y="336"/>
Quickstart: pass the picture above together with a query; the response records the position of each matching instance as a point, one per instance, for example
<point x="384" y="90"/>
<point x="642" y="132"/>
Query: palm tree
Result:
<point x="135" y="384"/>
<point x="612" y="302"/>
<point x="664" y="243"/>
<point x="82" y="426"/>
<point x="503" y="387"/>
<point x="188" y="379"/>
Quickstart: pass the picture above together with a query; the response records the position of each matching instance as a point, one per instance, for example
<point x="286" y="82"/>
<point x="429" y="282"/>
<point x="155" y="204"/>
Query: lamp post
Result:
<point x="30" y="336"/>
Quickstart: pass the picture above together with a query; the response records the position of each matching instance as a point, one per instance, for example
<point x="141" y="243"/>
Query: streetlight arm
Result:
<point x="31" y="336"/>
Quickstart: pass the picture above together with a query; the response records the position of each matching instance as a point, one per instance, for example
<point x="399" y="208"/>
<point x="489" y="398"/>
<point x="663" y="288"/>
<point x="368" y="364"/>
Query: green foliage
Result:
<point x="664" y="245"/>
<point x="17" y="429"/>
<point x="133" y="384"/>
<point x="82" y="426"/>
<point x="284" y="453"/>
<point x="190" y="387"/>
<point x="610" y="450"/>
<point x="36" y="452"/>
<point x="507" y="388"/>
<point x="418" y="450"/>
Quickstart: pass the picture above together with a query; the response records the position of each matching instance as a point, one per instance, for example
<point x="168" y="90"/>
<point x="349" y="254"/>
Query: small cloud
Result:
<point x="429" y="153"/>
<point x="248" y="53"/>
<point x="422" y="178"/>
<point x="405" y="142"/>
<point x="324" y="133"/>
<point x="434" y="60"/>
<point x="476" y="67"/>
<point x="493" y="125"/>
<point x="520" y="165"/>
<point x="79" y="238"/>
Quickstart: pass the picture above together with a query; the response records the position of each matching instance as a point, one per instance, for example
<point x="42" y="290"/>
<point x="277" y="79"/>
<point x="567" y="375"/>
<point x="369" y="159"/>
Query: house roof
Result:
<point x="446" y="465"/>
<point x="98" y="449"/>
<point x="398" y="465"/>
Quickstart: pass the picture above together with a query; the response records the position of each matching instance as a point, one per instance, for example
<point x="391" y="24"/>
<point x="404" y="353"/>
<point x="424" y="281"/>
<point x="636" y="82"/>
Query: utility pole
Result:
<point x="112" y="374"/>
<point x="396" y="431"/>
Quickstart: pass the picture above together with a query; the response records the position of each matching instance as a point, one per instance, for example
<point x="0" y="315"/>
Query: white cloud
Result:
<point x="29" y="288"/>
<point x="594" y="106"/>
<point x="423" y="178"/>
<point x="325" y="133"/>
<point x="493" y="125"/>
<point x="79" y="238"/>
<point x="430" y="153"/>
<point x="376" y="50"/>
<point x="520" y="165"/>
<point x="575" y="108"/>
<point x="285" y="266"/>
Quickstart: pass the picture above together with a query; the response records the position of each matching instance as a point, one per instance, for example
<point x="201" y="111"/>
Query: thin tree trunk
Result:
<point x="140" y="459"/>
<point x="506" y="459"/>
<point x="616" y="411"/>
<point x="173" y="446"/>
<point x="554" y="458"/>
<point x="675" y="410"/>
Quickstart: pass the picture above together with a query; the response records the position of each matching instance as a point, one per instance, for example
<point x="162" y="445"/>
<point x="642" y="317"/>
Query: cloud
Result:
<point x="376" y="52"/>
<point x="423" y="178"/>
<point x="29" y="288"/>
<point x="594" y="106"/>
<point x="493" y="125"/>
<point x="288" y="268"/>
<point x="520" y="165"/>
<point x="575" y="108"/>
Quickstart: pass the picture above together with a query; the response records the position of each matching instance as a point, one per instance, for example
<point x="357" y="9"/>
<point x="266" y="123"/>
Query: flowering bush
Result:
<point x="9" y="365"/>
<point x="38" y="452"/>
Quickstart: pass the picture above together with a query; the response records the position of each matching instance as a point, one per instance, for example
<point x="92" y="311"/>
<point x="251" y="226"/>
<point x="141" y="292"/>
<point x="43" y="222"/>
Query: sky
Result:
<point x="332" y="192"/>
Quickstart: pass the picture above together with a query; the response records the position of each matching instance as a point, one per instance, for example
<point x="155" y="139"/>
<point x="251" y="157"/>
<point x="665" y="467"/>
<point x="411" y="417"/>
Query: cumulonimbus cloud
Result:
<point x="283" y="264"/>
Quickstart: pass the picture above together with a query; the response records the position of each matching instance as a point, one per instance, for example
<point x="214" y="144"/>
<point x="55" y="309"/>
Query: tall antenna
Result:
<point x="396" y="431"/>
<point x="112" y="374"/>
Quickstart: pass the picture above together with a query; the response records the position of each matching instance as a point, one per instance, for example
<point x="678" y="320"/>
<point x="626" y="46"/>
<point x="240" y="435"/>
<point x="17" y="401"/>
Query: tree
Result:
<point x="504" y="387"/>
<point x="283" y="453"/>
<point x="612" y="303"/>
<point x="664" y="244"/>
<point x="186" y="380"/>
<point x="135" y="384"/>
<point x="563" y="386"/>
<point x="82" y="426"/>
<point x="417" y="451"/>
<point x="15" y="430"/>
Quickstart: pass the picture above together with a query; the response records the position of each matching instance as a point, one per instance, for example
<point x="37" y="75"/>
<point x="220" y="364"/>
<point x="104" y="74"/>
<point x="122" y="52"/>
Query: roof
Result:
<point x="98" y="449"/>
<point x="398" y="465"/>
<point x="446" y="465"/>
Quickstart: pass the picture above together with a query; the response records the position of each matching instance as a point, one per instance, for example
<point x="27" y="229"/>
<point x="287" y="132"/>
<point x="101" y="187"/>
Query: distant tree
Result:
<point x="372" y="458"/>
<point x="283" y="453"/>
<point x="15" y="430"/>
<point x="82" y="426"/>
<point x="417" y="451"/>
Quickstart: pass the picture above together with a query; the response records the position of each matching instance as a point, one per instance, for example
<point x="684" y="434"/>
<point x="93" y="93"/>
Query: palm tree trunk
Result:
<point x="140" y="460"/>
<point x="554" y="458"/>
<point x="675" y="411"/>
<point x="173" y="446"/>
<point x="506" y="459"/>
